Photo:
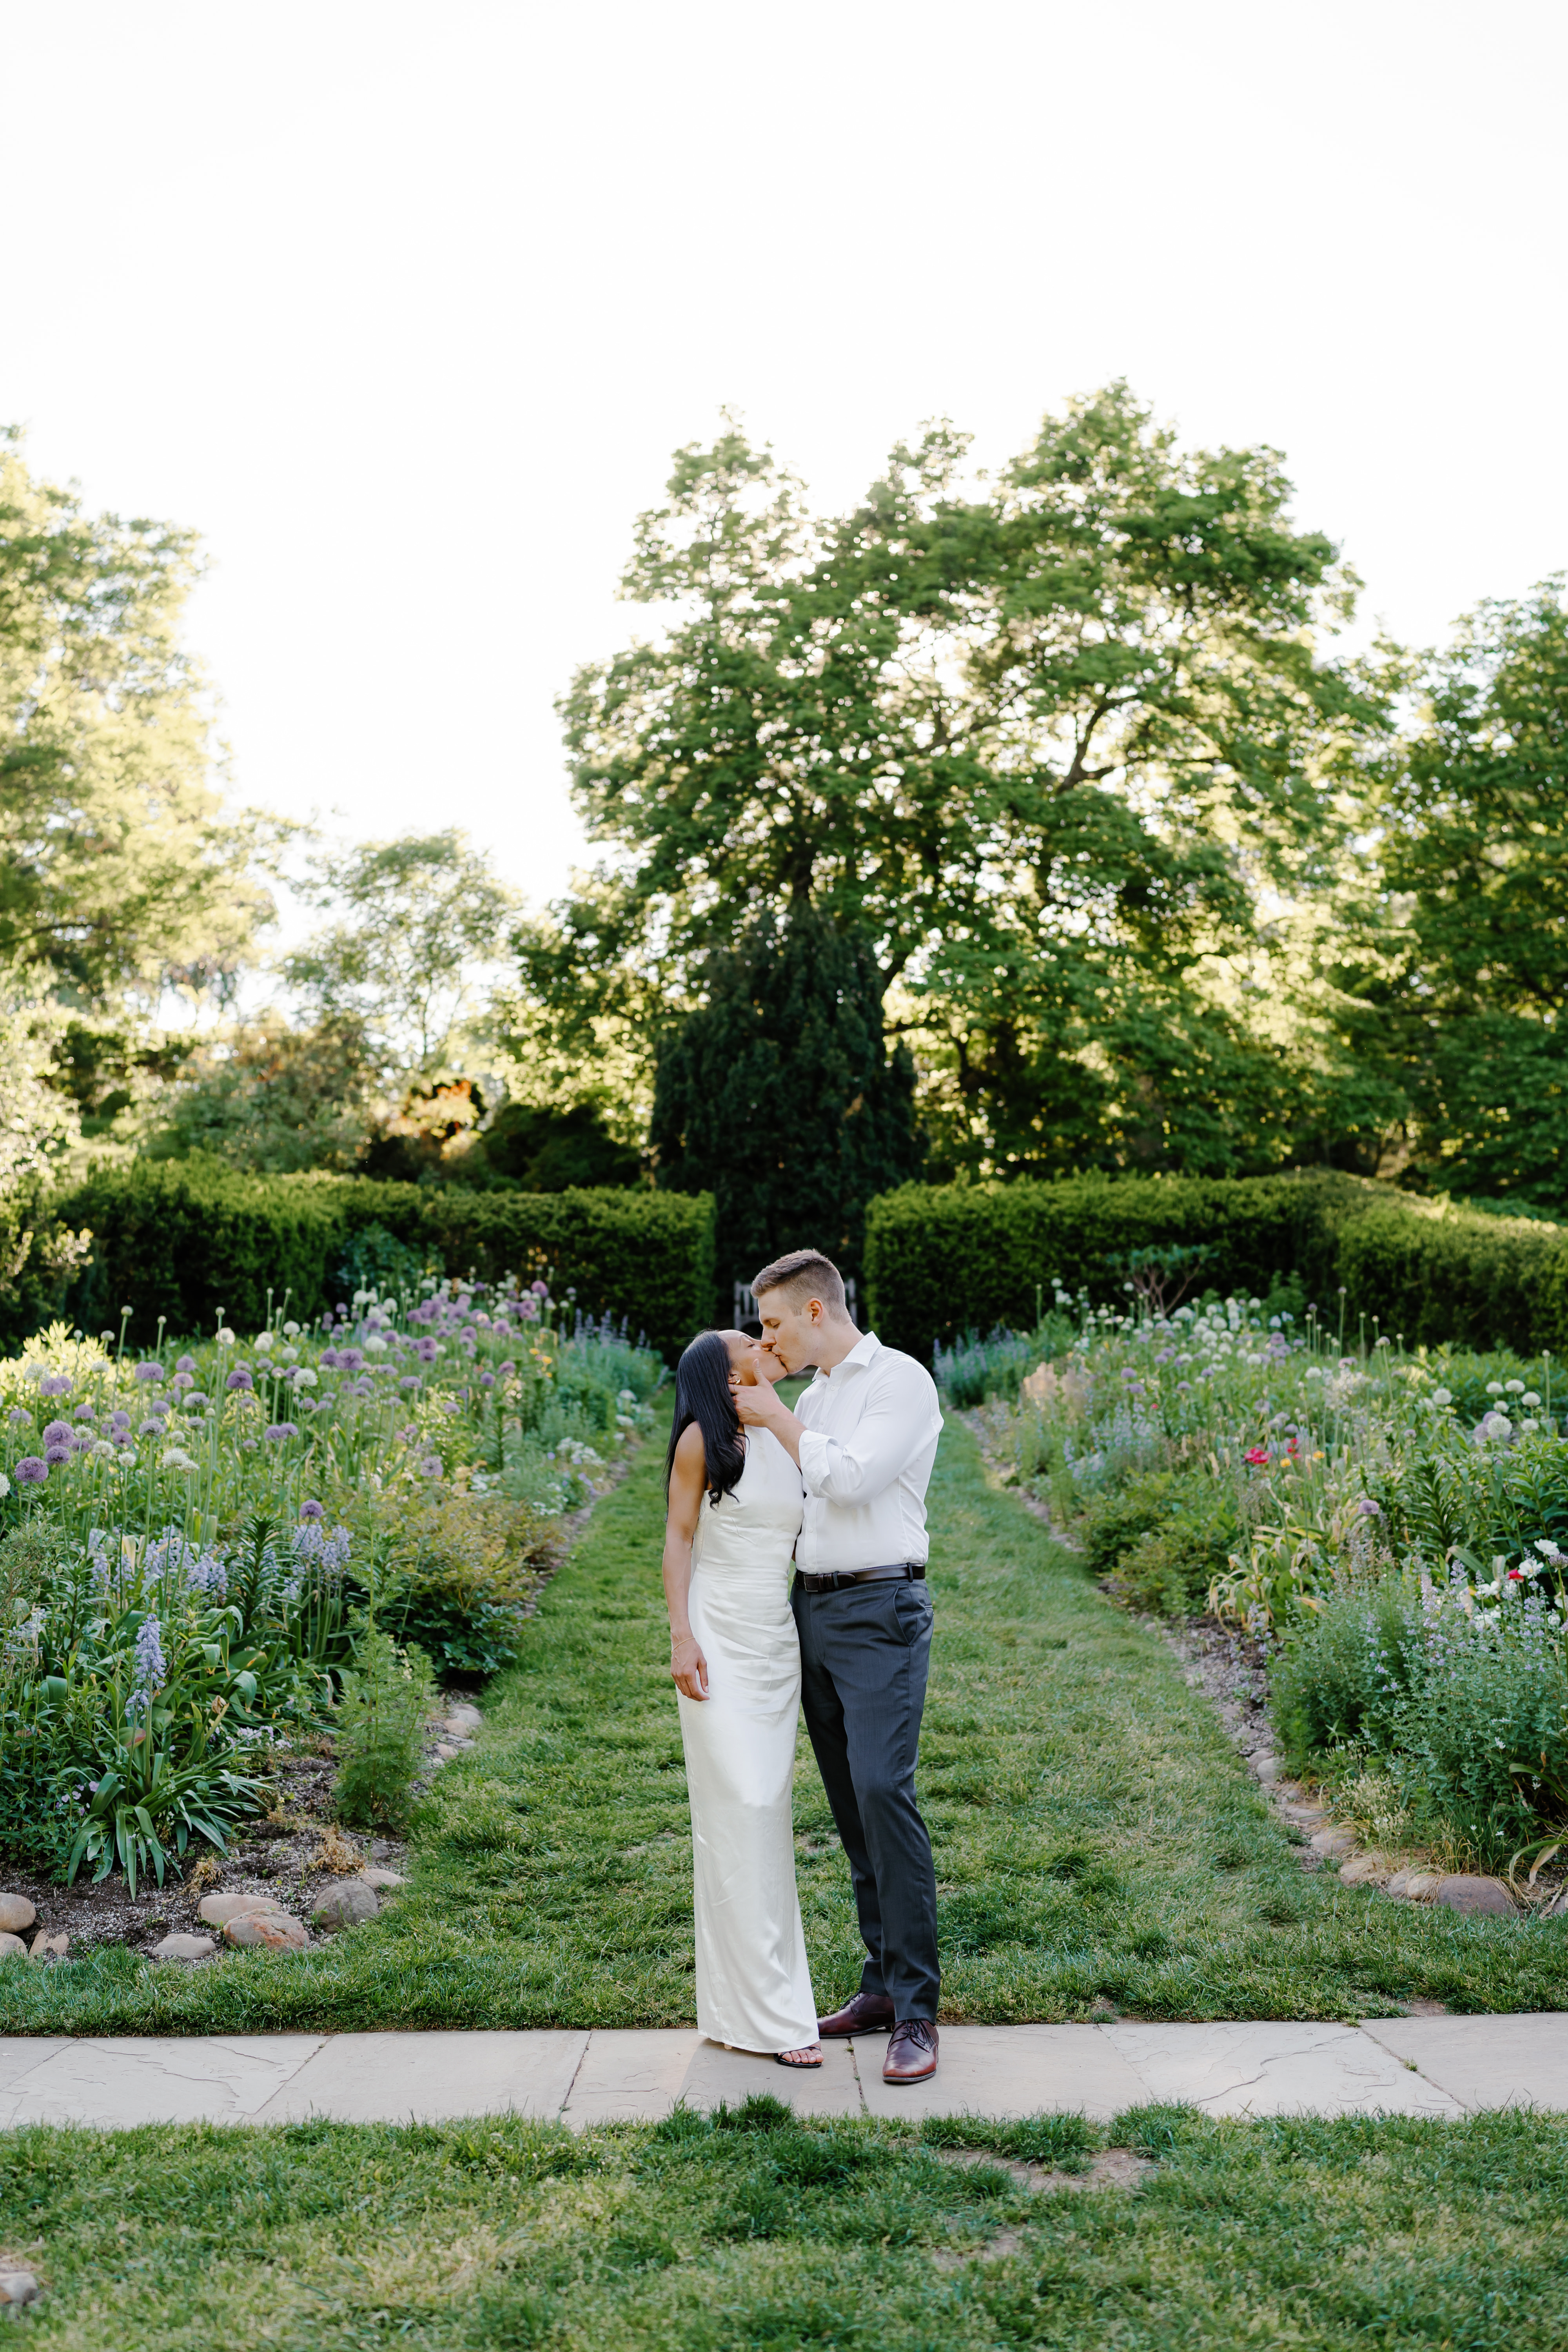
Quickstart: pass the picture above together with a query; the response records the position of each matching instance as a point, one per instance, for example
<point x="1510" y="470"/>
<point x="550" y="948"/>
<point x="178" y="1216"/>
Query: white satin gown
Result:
<point x="753" y="1986"/>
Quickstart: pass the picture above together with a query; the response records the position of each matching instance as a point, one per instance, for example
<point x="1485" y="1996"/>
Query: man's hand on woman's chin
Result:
<point x="762" y="1407"/>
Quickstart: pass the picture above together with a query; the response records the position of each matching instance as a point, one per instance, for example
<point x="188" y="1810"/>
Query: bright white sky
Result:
<point x="405" y="308"/>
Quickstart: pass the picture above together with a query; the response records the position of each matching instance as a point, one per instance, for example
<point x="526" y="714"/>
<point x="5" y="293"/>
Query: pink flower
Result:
<point x="1258" y="1455"/>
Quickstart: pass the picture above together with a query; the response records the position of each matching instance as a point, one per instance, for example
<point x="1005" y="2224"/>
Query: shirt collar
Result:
<point x="862" y="1353"/>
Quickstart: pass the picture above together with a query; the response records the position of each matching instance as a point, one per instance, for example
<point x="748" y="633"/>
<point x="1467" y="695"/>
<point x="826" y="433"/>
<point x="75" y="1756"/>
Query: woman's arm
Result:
<point x="687" y="1485"/>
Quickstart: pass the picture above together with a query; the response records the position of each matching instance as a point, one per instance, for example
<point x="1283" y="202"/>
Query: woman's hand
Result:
<point x="687" y="1666"/>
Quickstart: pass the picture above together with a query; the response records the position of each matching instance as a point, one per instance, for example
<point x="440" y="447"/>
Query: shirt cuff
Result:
<point x="815" y="1460"/>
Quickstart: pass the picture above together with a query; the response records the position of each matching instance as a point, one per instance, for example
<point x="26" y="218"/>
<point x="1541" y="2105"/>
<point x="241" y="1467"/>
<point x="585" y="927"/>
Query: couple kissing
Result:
<point x="837" y="1490"/>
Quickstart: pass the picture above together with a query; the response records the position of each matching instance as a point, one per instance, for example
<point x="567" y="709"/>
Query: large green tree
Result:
<point x="1044" y="741"/>
<point x="119" y="871"/>
<point x="1464" y="995"/>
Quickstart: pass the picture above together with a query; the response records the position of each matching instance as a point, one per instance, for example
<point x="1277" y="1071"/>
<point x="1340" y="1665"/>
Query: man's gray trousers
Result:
<point x="864" y="1654"/>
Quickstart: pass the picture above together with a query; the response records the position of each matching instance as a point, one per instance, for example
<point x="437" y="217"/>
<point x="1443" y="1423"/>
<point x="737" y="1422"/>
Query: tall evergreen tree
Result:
<point x="779" y="1096"/>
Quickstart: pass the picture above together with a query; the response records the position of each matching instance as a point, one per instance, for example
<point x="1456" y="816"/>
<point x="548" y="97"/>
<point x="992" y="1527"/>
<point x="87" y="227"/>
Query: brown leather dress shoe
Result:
<point x="911" y="2052"/>
<point x="868" y="2012"/>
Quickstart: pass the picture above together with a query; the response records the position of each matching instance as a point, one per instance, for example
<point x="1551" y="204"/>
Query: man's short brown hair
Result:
<point x="803" y="1274"/>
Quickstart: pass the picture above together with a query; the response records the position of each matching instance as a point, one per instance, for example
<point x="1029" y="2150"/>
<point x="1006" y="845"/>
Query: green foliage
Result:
<point x="548" y="1150"/>
<point x="1465" y="999"/>
<point x="118" y="871"/>
<point x="974" y="1369"/>
<point x="1162" y="1537"/>
<point x="421" y="919"/>
<point x="270" y="1100"/>
<point x="779" y="1097"/>
<point x="941" y="1259"/>
<point x="184" y="1239"/>
<point x="380" y="1725"/>
<point x="1014" y="730"/>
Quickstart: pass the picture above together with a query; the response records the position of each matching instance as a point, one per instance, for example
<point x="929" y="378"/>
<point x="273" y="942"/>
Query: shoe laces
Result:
<point x="921" y="2029"/>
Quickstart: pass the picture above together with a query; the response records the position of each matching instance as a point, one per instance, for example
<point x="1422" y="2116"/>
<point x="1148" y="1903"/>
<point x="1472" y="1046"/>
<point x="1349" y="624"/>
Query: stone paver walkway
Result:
<point x="1417" y="2066"/>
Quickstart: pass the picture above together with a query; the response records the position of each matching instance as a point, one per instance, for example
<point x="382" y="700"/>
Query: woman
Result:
<point x="734" y="1513"/>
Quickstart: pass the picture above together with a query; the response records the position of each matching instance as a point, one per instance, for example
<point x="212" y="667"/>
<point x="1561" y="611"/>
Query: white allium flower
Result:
<point x="265" y="1339"/>
<point x="225" y="1338"/>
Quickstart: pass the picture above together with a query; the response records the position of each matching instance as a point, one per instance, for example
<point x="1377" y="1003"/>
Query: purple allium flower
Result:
<point x="239" y="1378"/>
<point x="187" y="1364"/>
<point x="487" y="1380"/>
<point x="183" y="1381"/>
<point x="350" y="1359"/>
<point x="150" y="1669"/>
<point x="311" y="1511"/>
<point x="81" y="1441"/>
<point x="1183" y="1387"/>
<point x="431" y="1466"/>
<point x="407" y="1433"/>
<point x="17" y="1416"/>
<point x="329" y="1359"/>
<point x="84" y="1413"/>
<point x="56" y="1432"/>
<point x="529" y="1309"/>
<point x="30" y="1471"/>
<point x="1366" y="1509"/>
<point x="427" y="1350"/>
<point x="540" y="1289"/>
<point x="148" y="1373"/>
<point x="54" y="1384"/>
<point x="118" y="1419"/>
<point x="53" y="1454"/>
<point x="508" y="1364"/>
<point x="279" y="1430"/>
<point x="151" y="1427"/>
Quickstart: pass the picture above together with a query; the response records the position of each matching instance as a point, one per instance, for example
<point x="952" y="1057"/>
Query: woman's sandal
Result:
<point x="798" y="2058"/>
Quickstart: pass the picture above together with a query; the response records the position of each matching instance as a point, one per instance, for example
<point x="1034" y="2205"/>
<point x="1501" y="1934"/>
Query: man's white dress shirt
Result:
<point x="871" y="1426"/>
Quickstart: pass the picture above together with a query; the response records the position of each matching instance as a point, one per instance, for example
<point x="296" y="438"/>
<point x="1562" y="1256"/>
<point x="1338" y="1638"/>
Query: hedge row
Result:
<point x="944" y="1259"/>
<point x="185" y="1239"/>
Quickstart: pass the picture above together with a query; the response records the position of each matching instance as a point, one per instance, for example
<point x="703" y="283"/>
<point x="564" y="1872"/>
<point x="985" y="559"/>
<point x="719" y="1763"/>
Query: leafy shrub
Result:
<point x="381" y="1723"/>
<point x="1448" y="1699"/>
<point x="942" y="1259"/>
<point x="182" y="1239"/>
<point x="1164" y="1537"/>
<point x="974" y="1369"/>
<point x="462" y="1570"/>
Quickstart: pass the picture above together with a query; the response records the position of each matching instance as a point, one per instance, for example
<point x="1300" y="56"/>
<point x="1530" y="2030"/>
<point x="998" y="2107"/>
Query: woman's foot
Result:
<point x="811" y="2055"/>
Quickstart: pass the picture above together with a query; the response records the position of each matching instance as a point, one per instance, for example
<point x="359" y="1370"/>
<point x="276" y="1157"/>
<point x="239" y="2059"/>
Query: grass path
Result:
<point x="1099" y="1842"/>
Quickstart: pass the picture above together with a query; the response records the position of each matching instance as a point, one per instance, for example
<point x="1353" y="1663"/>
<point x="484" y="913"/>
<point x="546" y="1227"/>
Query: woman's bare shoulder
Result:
<point x="690" y="1450"/>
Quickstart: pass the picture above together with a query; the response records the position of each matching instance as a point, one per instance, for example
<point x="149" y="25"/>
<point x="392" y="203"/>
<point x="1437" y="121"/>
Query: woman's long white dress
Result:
<point x="753" y="1986"/>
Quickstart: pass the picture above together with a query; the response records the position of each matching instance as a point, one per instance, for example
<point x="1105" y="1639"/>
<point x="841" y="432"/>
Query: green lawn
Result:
<point x="754" y="2234"/>
<point x="1097" y="1840"/>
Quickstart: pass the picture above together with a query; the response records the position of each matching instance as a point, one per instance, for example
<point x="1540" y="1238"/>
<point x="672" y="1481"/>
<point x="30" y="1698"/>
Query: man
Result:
<point x="865" y="1436"/>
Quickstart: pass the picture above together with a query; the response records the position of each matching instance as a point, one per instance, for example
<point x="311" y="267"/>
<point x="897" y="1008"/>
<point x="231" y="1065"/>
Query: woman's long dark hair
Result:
<point x="703" y="1395"/>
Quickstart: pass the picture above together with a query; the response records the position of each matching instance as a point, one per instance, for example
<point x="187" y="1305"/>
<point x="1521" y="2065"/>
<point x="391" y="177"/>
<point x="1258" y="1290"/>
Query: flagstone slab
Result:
<point x="718" y="2073"/>
<point x="1008" y="2070"/>
<point x="431" y="2077"/>
<point x="1275" y="2069"/>
<point x="119" y="2081"/>
<point x="631" y="2077"/>
<point x="1484" y="2061"/>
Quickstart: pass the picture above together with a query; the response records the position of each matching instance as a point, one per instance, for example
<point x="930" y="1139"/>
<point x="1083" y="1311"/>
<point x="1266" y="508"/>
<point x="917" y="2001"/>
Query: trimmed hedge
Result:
<point x="185" y="1238"/>
<point x="945" y="1259"/>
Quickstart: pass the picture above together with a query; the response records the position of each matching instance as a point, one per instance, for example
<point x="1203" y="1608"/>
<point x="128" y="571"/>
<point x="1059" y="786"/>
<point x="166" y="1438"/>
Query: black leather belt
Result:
<point x="906" y="1571"/>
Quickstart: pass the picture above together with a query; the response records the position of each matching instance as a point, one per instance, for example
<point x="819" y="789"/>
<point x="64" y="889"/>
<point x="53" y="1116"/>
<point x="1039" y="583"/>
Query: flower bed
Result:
<point x="195" y="1540"/>
<point x="1391" y="1528"/>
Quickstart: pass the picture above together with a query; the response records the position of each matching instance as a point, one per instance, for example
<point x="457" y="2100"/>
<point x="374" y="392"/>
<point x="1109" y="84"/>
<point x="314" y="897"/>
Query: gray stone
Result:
<point x="1414" y="1885"/>
<point x="344" y="1905"/>
<point x="271" y="1931"/>
<point x="19" y="2286"/>
<point x="1336" y="1838"/>
<point x="46" y="1947"/>
<point x="1267" y="1768"/>
<point x="461" y="1726"/>
<point x="185" y="1948"/>
<point x="15" y="1913"/>
<point x="383" y="1879"/>
<point x="1462" y="1893"/>
<point x="11" y="1947"/>
<point x="217" y="1910"/>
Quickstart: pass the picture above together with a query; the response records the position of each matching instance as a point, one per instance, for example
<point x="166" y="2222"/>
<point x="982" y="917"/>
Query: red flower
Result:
<point x="1258" y="1455"/>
